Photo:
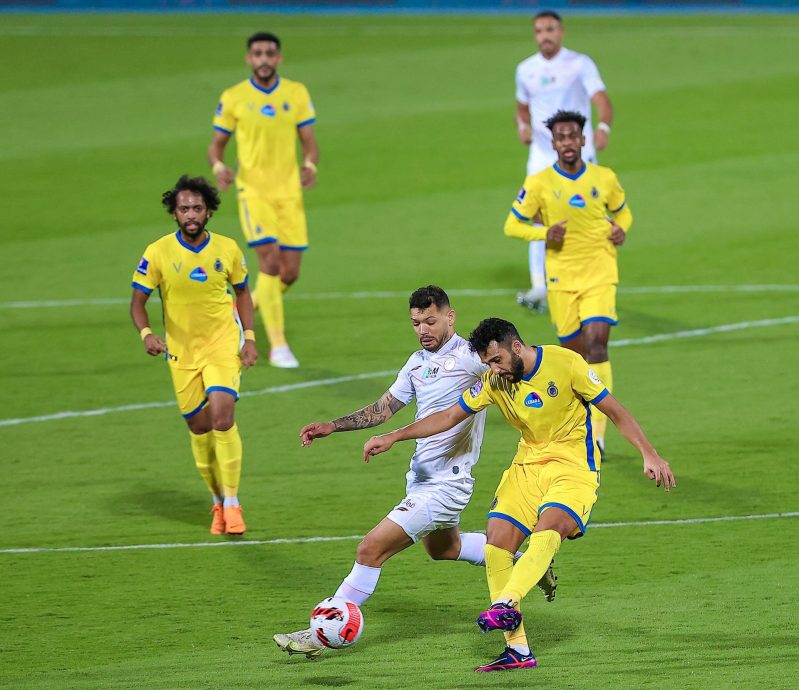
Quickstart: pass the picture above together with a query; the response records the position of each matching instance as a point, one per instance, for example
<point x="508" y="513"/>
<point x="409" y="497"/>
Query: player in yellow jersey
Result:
<point x="207" y="340"/>
<point x="585" y="218"/>
<point x="269" y="114"/>
<point x="547" y="494"/>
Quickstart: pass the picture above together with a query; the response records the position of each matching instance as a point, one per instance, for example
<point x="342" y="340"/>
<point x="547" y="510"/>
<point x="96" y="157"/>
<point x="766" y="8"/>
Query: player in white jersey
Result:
<point x="554" y="79"/>
<point x="439" y="482"/>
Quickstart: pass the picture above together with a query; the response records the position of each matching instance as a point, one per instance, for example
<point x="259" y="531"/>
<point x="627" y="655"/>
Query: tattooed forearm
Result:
<point x="371" y="415"/>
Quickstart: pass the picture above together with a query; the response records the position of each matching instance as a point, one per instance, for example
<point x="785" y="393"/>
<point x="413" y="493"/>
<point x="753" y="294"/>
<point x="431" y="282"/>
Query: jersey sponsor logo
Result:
<point x="268" y="110"/>
<point x="520" y="196"/>
<point x="594" y="193"/>
<point x="546" y="80"/>
<point x="592" y="375"/>
<point x="553" y="279"/>
<point x="218" y="267"/>
<point x="533" y="400"/>
<point x="142" y="267"/>
<point x="552" y="389"/>
<point x="219" y="108"/>
<point x="577" y="201"/>
<point x="199" y="274"/>
<point x="449" y="363"/>
<point x="474" y="391"/>
<point x="430" y="372"/>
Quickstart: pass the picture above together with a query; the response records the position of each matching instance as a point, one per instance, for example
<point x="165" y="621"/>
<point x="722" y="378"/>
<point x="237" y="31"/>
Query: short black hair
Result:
<point x="263" y="36"/>
<point x="492" y="330"/>
<point x="199" y="185"/>
<point x="548" y="13"/>
<point x="565" y="116"/>
<point x="425" y="297"/>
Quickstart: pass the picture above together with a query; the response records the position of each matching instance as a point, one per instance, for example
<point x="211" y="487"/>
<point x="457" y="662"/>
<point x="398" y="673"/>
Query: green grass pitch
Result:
<point x="419" y="165"/>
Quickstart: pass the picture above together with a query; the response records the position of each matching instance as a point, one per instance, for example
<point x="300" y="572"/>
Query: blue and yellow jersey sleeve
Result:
<point x="616" y="201"/>
<point x="525" y="206"/>
<point x="225" y="115"/>
<point x="304" y="112"/>
<point x="478" y="397"/>
<point x="585" y="383"/>
<point x="237" y="274"/>
<point x="147" y="276"/>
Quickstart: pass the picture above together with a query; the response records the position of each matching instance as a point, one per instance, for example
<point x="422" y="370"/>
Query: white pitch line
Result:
<point x="70" y="414"/>
<point x="307" y="540"/>
<point x="394" y="294"/>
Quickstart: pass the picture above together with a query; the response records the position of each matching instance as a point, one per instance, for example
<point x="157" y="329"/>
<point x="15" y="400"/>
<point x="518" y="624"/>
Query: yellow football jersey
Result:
<point x="550" y="407"/>
<point x="587" y="257"/>
<point x="193" y="282"/>
<point x="265" y="122"/>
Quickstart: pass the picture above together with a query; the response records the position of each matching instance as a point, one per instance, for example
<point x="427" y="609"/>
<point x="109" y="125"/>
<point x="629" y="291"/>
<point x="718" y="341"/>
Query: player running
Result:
<point x="547" y="494"/>
<point x="439" y="482"/>
<point x="575" y="199"/>
<point x="192" y="269"/>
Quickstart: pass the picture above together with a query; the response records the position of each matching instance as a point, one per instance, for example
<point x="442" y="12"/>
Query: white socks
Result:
<point x="473" y="546"/>
<point x="231" y="502"/>
<point x="536" y="253"/>
<point x="360" y="584"/>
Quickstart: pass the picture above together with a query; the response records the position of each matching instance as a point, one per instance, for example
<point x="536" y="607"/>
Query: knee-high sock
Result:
<point x="536" y="254"/>
<point x="531" y="566"/>
<point x="473" y="546"/>
<point x="360" y="584"/>
<point x="270" y="304"/>
<point x="499" y="568"/>
<point x="228" y="453"/>
<point x="599" y="420"/>
<point x="202" y="448"/>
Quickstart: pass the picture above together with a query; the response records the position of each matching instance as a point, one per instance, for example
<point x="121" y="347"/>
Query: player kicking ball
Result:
<point x="439" y="482"/>
<point x="547" y="393"/>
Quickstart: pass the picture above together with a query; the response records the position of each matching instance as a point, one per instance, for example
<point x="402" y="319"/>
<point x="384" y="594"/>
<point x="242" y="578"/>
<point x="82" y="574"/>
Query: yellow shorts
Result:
<point x="270" y="221"/>
<point x="192" y="386"/>
<point x="570" y="311"/>
<point x="525" y="491"/>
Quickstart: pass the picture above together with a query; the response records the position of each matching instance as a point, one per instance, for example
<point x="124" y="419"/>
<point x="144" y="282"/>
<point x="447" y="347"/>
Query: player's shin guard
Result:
<point x="228" y="453"/>
<point x="499" y="568"/>
<point x="270" y="304"/>
<point x="202" y="448"/>
<point x="600" y="421"/>
<point x="360" y="584"/>
<point x="473" y="546"/>
<point x="531" y="566"/>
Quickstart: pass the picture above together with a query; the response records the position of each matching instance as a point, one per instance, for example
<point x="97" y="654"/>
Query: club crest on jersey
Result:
<point x="594" y="193"/>
<point x="218" y="267"/>
<point x="520" y="196"/>
<point x="286" y="107"/>
<point x="219" y="108"/>
<point x="552" y="389"/>
<point x="268" y="110"/>
<point x="142" y="267"/>
<point x="474" y="391"/>
<point x="533" y="400"/>
<point x="430" y="373"/>
<point x="577" y="201"/>
<point x="449" y="363"/>
<point x="199" y="274"/>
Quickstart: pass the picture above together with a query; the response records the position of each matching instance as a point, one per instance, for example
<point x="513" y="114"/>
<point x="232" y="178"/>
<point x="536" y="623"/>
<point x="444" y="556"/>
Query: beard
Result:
<point x="516" y="368"/>
<point x="193" y="232"/>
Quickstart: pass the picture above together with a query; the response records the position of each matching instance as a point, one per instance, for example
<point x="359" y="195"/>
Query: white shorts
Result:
<point x="427" y="508"/>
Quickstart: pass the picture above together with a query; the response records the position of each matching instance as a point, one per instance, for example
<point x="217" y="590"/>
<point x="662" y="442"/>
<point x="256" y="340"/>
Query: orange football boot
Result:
<point x="234" y="523"/>
<point x="218" y="521"/>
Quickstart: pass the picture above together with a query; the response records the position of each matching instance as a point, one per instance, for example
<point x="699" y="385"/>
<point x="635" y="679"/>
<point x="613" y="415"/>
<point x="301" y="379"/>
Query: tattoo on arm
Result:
<point x="371" y="415"/>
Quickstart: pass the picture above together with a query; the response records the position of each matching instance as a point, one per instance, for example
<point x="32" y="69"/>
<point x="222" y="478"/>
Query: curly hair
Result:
<point x="492" y="330"/>
<point x="565" y="116"/>
<point x="198" y="185"/>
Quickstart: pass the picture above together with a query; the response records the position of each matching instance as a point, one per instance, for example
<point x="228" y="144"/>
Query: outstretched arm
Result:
<point x="365" y="418"/>
<point x="655" y="467"/>
<point x="429" y="426"/>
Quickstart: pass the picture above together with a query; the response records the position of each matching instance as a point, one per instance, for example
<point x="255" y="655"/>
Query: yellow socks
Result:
<point x="269" y="296"/>
<point x="228" y="453"/>
<point x="530" y="568"/>
<point x="499" y="568"/>
<point x="202" y="448"/>
<point x="598" y="420"/>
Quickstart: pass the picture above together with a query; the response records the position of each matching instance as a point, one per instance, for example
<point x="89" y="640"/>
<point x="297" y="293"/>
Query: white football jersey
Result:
<point x="566" y="82"/>
<point x="436" y="380"/>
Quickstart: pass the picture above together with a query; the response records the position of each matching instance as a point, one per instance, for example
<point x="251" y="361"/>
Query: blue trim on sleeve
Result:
<point x="599" y="398"/>
<point x="307" y="122"/>
<point x="222" y="389"/>
<point x="199" y="407"/>
<point x="518" y="215"/>
<point x="229" y="132"/>
<point x="589" y="438"/>
<point x="139" y="286"/>
<point x="527" y="532"/>
<point x="294" y="247"/>
<point x="264" y="240"/>
<point x="564" y="338"/>
<point x="540" y="351"/>
<point x="465" y="407"/>
<point x="616" y="210"/>
<point x="243" y="283"/>
<point x="196" y="250"/>
<point x="603" y="319"/>
<point x="571" y="177"/>
<point x="262" y="89"/>
<point x="566" y="509"/>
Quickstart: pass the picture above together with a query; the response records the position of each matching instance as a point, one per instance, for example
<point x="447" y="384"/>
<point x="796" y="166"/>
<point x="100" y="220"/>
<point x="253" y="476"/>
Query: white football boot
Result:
<point x="283" y="358"/>
<point x="299" y="642"/>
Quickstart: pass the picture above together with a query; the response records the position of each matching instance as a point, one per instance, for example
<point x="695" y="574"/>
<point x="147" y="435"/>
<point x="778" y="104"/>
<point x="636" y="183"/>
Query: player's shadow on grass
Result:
<point x="174" y="505"/>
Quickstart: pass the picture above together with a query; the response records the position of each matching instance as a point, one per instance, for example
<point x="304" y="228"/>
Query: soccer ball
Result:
<point x="336" y="623"/>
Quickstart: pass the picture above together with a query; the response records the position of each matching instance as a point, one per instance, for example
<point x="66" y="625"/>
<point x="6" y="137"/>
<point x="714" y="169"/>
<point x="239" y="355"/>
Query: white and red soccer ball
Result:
<point x="336" y="623"/>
